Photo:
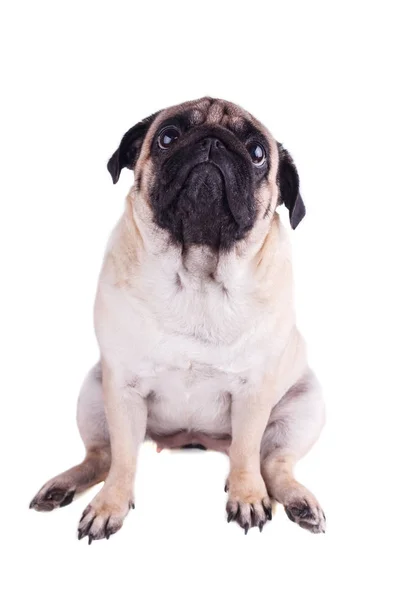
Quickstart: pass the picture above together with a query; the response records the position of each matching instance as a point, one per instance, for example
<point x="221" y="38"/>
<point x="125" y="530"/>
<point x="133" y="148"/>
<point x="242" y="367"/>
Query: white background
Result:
<point x="322" y="76"/>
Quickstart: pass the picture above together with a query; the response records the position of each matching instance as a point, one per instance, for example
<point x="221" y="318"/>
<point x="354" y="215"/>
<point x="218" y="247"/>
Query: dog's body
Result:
<point x="202" y="338"/>
<point x="196" y="327"/>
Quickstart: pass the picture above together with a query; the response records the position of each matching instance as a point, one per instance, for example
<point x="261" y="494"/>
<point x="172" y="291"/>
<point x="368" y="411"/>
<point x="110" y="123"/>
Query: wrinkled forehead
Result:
<point x="212" y="111"/>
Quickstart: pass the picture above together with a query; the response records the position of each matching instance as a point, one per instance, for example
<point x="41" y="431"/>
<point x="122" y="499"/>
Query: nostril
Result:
<point x="212" y="143"/>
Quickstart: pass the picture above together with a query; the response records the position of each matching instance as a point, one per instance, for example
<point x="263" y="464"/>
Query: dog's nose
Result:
<point x="212" y="144"/>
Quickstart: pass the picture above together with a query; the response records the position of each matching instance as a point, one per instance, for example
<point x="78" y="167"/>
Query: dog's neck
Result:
<point x="139" y="245"/>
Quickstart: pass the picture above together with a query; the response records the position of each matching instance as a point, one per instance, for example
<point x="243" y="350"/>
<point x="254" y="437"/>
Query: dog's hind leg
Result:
<point x="92" y="424"/>
<point x="295" y="424"/>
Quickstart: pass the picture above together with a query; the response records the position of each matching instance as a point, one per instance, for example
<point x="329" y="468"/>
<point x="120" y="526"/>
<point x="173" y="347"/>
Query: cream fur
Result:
<point x="205" y="344"/>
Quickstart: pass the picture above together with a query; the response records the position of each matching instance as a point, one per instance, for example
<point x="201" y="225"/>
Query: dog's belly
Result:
<point x="191" y="402"/>
<point x="195" y="439"/>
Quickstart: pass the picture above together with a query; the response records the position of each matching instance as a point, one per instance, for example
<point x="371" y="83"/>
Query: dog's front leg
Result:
<point x="248" y="503"/>
<point x="126" y="413"/>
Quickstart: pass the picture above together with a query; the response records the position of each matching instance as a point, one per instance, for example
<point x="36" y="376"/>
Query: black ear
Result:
<point x="129" y="149"/>
<point x="288" y="181"/>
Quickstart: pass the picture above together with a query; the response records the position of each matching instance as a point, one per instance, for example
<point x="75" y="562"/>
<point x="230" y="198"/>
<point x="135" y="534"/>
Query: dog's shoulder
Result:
<point x="193" y="306"/>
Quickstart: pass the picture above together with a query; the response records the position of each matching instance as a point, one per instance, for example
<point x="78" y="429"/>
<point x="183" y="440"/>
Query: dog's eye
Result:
<point x="257" y="153"/>
<point x="167" y="137"/>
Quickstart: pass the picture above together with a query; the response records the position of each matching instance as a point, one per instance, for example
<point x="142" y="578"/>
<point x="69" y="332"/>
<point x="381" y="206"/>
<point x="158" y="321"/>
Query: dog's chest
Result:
<point x="206" y="348"/>
<point x="188" y="340"/>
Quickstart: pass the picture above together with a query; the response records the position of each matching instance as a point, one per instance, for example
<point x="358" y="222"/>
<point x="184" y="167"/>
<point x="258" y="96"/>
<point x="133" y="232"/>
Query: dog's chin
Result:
<point x="201" y="213"/>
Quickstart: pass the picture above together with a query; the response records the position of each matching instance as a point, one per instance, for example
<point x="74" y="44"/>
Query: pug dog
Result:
<point x="195" y="322"/>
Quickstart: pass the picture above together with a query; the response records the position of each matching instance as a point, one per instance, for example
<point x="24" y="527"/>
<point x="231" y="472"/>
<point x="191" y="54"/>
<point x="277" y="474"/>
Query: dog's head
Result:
<point x="209" y="171"/>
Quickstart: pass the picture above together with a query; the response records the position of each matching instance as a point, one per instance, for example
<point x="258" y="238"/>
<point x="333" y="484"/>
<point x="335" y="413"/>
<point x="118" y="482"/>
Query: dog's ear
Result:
<point x="128" y="151"/>
<point x="288" y="181"/>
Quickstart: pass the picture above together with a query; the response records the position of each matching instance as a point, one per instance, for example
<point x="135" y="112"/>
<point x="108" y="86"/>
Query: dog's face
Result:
<point x="209" y="171"/>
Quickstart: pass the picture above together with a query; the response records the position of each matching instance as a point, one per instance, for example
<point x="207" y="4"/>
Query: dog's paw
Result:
<point x="306" y="512"/>
<point x="103" y="517"/>
<point x="248" y="502"/>
<point x="54" y="494"/>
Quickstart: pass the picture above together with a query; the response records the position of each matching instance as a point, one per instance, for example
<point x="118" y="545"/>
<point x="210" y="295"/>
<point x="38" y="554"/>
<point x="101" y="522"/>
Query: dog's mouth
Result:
<point x="203" y="188"/>
<point x="205" y="195"/>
